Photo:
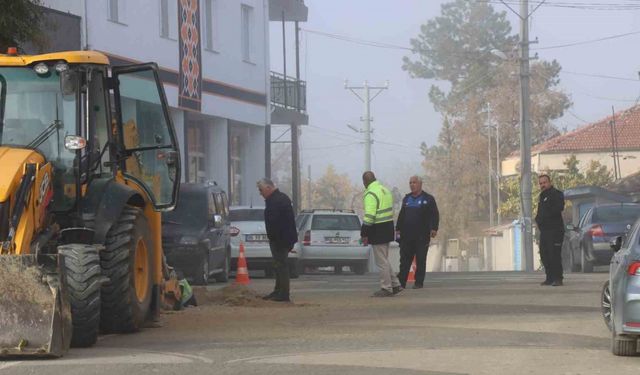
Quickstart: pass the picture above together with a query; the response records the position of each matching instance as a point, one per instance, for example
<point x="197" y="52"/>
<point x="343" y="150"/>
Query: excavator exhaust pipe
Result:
<point x="35" y="315"/>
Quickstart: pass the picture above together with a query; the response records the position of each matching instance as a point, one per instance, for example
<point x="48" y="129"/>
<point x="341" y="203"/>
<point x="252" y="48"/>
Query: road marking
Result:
<point x="488" y="360"/>
<point x="9" y="364"/>
<point x="103" y="356"/>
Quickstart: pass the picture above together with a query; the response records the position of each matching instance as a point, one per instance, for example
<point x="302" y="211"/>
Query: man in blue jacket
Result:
<point x="417" y="224"/>
<point x="280" y="223"/>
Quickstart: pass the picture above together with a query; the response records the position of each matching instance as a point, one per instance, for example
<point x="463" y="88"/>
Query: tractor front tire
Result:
<point x="83" y="280"/>
<point x="127" y="262"/>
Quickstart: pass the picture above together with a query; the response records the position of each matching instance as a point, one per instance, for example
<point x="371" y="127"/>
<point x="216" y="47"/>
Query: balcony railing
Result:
<point x="289" y="93"/>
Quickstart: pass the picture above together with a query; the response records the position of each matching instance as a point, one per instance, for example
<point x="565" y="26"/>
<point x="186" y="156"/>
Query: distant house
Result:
<point x="590" y="142"/>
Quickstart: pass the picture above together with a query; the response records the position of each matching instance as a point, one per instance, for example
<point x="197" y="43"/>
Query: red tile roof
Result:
<point x="597" y="136"/>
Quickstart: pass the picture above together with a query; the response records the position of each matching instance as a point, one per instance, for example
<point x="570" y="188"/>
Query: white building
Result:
<point x="214" y="62"/>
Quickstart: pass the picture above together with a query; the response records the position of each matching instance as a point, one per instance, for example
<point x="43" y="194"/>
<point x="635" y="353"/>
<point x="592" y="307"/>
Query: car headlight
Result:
<point x="189" y="240"/>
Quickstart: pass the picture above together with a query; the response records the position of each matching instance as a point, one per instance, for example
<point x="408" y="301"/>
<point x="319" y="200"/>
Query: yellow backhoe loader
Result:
<point x="88" y="159"/>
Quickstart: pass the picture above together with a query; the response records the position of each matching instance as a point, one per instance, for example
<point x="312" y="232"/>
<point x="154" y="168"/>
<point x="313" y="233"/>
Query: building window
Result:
<point x="196" y="153"/>
<point x="116" y="10"/>
<point x="169" y="19"/>
<point x="210" y="23"/>
<point x="246" y="32"/>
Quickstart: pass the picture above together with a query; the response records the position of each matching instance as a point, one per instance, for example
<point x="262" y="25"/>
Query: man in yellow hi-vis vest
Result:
<point x="377" y="230"/>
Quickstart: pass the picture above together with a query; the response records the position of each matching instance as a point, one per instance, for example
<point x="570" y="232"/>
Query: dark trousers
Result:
<point x="408" y="249"/>
<point x="551" y="254"/>
<point x="281" y="269"/>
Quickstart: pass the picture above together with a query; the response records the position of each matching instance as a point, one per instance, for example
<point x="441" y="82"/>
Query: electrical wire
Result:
<point x="599" y="76"/>
<point x="587" y="41"/>
<point x="624" y="6"/>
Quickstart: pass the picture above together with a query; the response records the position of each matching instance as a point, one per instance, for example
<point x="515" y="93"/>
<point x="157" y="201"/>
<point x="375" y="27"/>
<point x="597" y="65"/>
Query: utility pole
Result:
<point x="367" y="115"/>
<point x="614" y="146"/>
<point x="498" y="173"/>
<point x="525" y="139"/>
<point x="489" y="164"/>
<point x="309" y="192"/>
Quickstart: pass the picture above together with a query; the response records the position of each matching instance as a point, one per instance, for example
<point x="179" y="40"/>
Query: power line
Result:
<point x="358" y="41"/>
<point x="599" y="76"/>
<point x="588" y="41"/>
<point x="328" y="147"/>
<point x="571" y="5"/>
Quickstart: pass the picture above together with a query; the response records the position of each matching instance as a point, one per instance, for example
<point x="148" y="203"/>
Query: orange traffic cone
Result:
<point x="412" y="271"/>
<point x="242" y="273"/>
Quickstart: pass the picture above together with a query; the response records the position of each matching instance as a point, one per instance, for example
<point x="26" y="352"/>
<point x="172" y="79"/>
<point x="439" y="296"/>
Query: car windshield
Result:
<point x="248" y="214"/>
<point x="612" y="214"/>
<point x="335" y="222"/>
<point x="191" y="211"/>
<point x="34" y="113"/>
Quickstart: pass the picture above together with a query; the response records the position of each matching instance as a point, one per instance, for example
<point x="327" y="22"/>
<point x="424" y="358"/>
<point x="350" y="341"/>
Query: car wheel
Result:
<point x="605" y="303"/>
<point x="624" y="346"/>
<point x="201" y="276"/>
<point x="587" y="266"/>
<point x="223" y="276"/>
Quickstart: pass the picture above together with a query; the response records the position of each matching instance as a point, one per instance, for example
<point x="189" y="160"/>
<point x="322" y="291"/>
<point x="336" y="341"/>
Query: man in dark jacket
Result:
<point x="281" y="231"/>
<point x="551" y="226"/>
<point x="417" y="224"/>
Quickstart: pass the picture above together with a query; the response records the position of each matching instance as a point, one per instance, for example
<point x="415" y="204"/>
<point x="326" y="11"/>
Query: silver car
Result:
<point x="621" y="293"/>
<point x="331" y="238"/>
<point x="247" y="226"/>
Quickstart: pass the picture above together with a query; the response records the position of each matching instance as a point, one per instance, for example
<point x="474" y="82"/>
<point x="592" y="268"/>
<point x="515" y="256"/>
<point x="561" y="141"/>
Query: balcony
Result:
<point x="288" y="100"/>
<point x="292" y="10"/>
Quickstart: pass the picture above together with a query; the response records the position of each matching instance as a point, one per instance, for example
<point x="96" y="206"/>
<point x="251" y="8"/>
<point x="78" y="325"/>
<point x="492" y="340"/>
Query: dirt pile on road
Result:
<point x="232" y="295"/>
<point x="26" y="302"/>
<point x="23" y="283"/>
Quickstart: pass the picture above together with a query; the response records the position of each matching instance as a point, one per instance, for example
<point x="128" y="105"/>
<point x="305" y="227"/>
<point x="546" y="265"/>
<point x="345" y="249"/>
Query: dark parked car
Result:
<point x="195" y="235"/>
<point x="621" y="293"/>
<point x="589" y="241"/>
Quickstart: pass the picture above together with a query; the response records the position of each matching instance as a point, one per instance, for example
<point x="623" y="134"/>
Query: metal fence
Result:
<point x="287" y="92"/>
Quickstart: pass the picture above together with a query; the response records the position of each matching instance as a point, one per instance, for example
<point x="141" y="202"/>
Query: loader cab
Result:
<point x="91" y="121"/>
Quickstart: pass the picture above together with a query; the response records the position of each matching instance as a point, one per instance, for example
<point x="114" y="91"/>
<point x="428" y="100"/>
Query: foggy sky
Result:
<point x="403" y="114"/>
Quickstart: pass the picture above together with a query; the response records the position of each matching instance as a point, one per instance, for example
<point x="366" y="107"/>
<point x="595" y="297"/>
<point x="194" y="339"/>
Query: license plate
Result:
<point x="257" y="238"/>
<point x="337" y="240"/>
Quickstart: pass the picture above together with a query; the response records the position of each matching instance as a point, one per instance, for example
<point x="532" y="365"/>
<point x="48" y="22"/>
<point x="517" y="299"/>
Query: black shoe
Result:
<point x="418" y="286"/>
<point x="270" y="296"/>
<point x="397" y="289"/>
<point x="280" y="298"/>
<point x="557" y="283"/>
<point x="382" y="293"/>
<point x="546" y="282"/>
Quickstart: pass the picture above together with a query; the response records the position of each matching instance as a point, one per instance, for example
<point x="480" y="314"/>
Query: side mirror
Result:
<point x="171" y="158"/>
<point x="217" y="221"/>
<point x="616" y="243"/>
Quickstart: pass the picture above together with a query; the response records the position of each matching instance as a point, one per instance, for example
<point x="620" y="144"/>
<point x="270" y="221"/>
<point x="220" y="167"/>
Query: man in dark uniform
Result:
<point x="281" y="230"/>
<point x="417" y="224"/>
<point x="551" y="226"/>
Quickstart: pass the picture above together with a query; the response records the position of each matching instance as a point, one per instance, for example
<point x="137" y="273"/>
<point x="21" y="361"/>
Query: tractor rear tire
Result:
<point x="127" y="262"/>
<point x="83" y="280"/>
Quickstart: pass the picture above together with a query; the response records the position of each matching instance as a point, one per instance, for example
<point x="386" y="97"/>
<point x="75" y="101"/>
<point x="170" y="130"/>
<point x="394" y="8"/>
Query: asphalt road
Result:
<point x="460" y="323"/>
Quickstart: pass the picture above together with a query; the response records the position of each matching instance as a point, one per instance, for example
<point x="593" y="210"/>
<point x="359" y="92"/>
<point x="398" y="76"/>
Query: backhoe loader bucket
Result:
<point x="35" y="316"/>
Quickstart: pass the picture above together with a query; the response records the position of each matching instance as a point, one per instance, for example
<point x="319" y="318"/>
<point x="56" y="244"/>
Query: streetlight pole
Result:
<point x="525" y="139"/>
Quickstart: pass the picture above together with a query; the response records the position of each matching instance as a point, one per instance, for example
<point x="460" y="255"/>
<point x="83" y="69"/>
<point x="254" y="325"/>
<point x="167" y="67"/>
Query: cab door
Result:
<point x="148" y="147"/>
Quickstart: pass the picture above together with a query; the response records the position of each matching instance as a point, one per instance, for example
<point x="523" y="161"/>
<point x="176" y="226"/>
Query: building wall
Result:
<point x="235" y="89"/>
<point x="629" y="162"/>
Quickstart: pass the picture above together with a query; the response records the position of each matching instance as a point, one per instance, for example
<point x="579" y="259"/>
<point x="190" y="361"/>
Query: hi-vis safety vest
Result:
<point x="378" y="204"/>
